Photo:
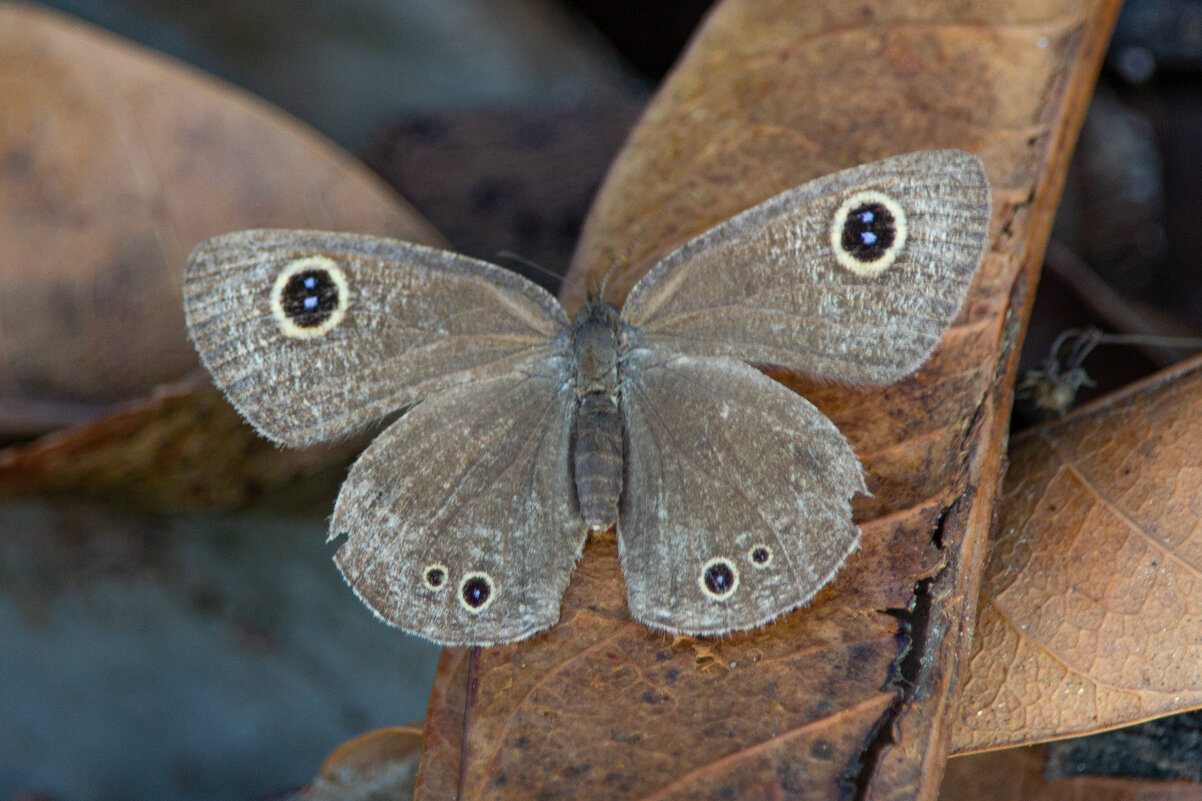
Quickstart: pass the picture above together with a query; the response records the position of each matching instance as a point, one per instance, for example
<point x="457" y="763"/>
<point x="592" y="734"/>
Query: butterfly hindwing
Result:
<point x="736" y="505"/>
<point x="314" y="334"/>
<point x="853" y="277"/>
<point x="460" y="519"/>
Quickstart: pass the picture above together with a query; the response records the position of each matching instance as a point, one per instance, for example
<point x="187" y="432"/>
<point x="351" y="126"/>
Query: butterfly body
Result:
<point x="597" y="440"/>
<point x="730" y="494"/>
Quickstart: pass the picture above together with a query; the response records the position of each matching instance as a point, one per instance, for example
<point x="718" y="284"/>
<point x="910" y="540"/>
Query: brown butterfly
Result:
<point x="524" y="430"/>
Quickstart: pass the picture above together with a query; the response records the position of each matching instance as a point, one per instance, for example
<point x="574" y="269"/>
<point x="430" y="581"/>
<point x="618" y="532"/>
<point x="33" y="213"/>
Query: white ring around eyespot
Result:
<point x="751" y="556"/>
<point x="705" y="569"/>
<point x="446" y="577"/>
<point x="331" y="268"/>
<point x="492" y="592"/>
<point x="901" y="230"/>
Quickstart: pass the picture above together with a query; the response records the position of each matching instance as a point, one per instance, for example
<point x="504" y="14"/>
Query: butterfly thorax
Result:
<point x="597" y="435"/>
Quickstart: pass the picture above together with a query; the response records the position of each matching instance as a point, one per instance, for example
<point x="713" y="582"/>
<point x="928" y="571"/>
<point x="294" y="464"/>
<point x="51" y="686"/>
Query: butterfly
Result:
<point x="523" y="430"/>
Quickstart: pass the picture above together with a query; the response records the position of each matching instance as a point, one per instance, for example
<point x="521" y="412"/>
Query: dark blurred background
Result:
<point x="497" y="120"/>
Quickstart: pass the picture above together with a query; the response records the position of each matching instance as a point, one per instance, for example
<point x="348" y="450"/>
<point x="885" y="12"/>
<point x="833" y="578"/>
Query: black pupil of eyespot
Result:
<point x="760" y="555"/>
<point x="310" y="297"/>
<point x="719" y="578"/>
<point x="434" y="577"/>
<point x="476" y="592"/>
<point x="869" y="231"/>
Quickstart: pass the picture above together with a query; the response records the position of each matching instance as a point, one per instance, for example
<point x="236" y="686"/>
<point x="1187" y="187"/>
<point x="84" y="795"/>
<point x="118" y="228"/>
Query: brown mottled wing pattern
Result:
<point x="460" y="518"/>
<point x="766" y="287"/>
<point x="737" y="502"/>
<point x="405" y="320"/>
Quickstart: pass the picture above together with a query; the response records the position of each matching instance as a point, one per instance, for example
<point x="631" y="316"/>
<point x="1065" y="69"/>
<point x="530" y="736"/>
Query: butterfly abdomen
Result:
<point x="597" y="436"/>
<point x="598" y="461"/>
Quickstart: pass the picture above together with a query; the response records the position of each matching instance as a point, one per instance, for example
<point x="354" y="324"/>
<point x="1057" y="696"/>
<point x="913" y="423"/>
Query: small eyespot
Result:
<point x="718" y="579"/>
<point x="309" y="297"/>
<point x="868" y="233"/>
<point x="476" y="592"/>
<point x="435" y="576"/>
<point x="760" y="556"/>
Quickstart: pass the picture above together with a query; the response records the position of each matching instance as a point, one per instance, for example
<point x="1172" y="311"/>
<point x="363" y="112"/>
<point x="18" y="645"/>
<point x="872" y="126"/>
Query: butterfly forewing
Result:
<point x="314" y="334"/>
<point x="460" y="518"/>
<point x="736" y="506"/>
<point x="853" y="277"/>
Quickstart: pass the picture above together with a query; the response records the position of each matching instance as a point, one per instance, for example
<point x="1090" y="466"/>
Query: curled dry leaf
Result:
<point x="114" y="163"/>
<point x="852" y="693"/>
<point x="378" y="765"/>
<point x="1018" y="775"/>
<point x="183" y="447"/>
<point x="1091" y="602"/>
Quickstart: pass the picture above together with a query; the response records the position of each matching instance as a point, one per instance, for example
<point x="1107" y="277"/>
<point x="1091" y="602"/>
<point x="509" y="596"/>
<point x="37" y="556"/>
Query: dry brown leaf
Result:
<point x="378" y="765"/>
<point x="1017" y="775"/>
<point x="442" y="740"/>
<point x="184" y="447"/>
<point x="844" y="696"/>
<point x="114" y="162"/>
<point x="372" y="750"/>
<point x="1090" y="615"/>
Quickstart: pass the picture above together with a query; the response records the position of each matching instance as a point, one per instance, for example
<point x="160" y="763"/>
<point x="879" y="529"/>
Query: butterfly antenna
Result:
<point x="618" y="261"/>
<point x="679" y="199"/>
<point x="538" y="268"/>
<point x="632" y="242"/>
